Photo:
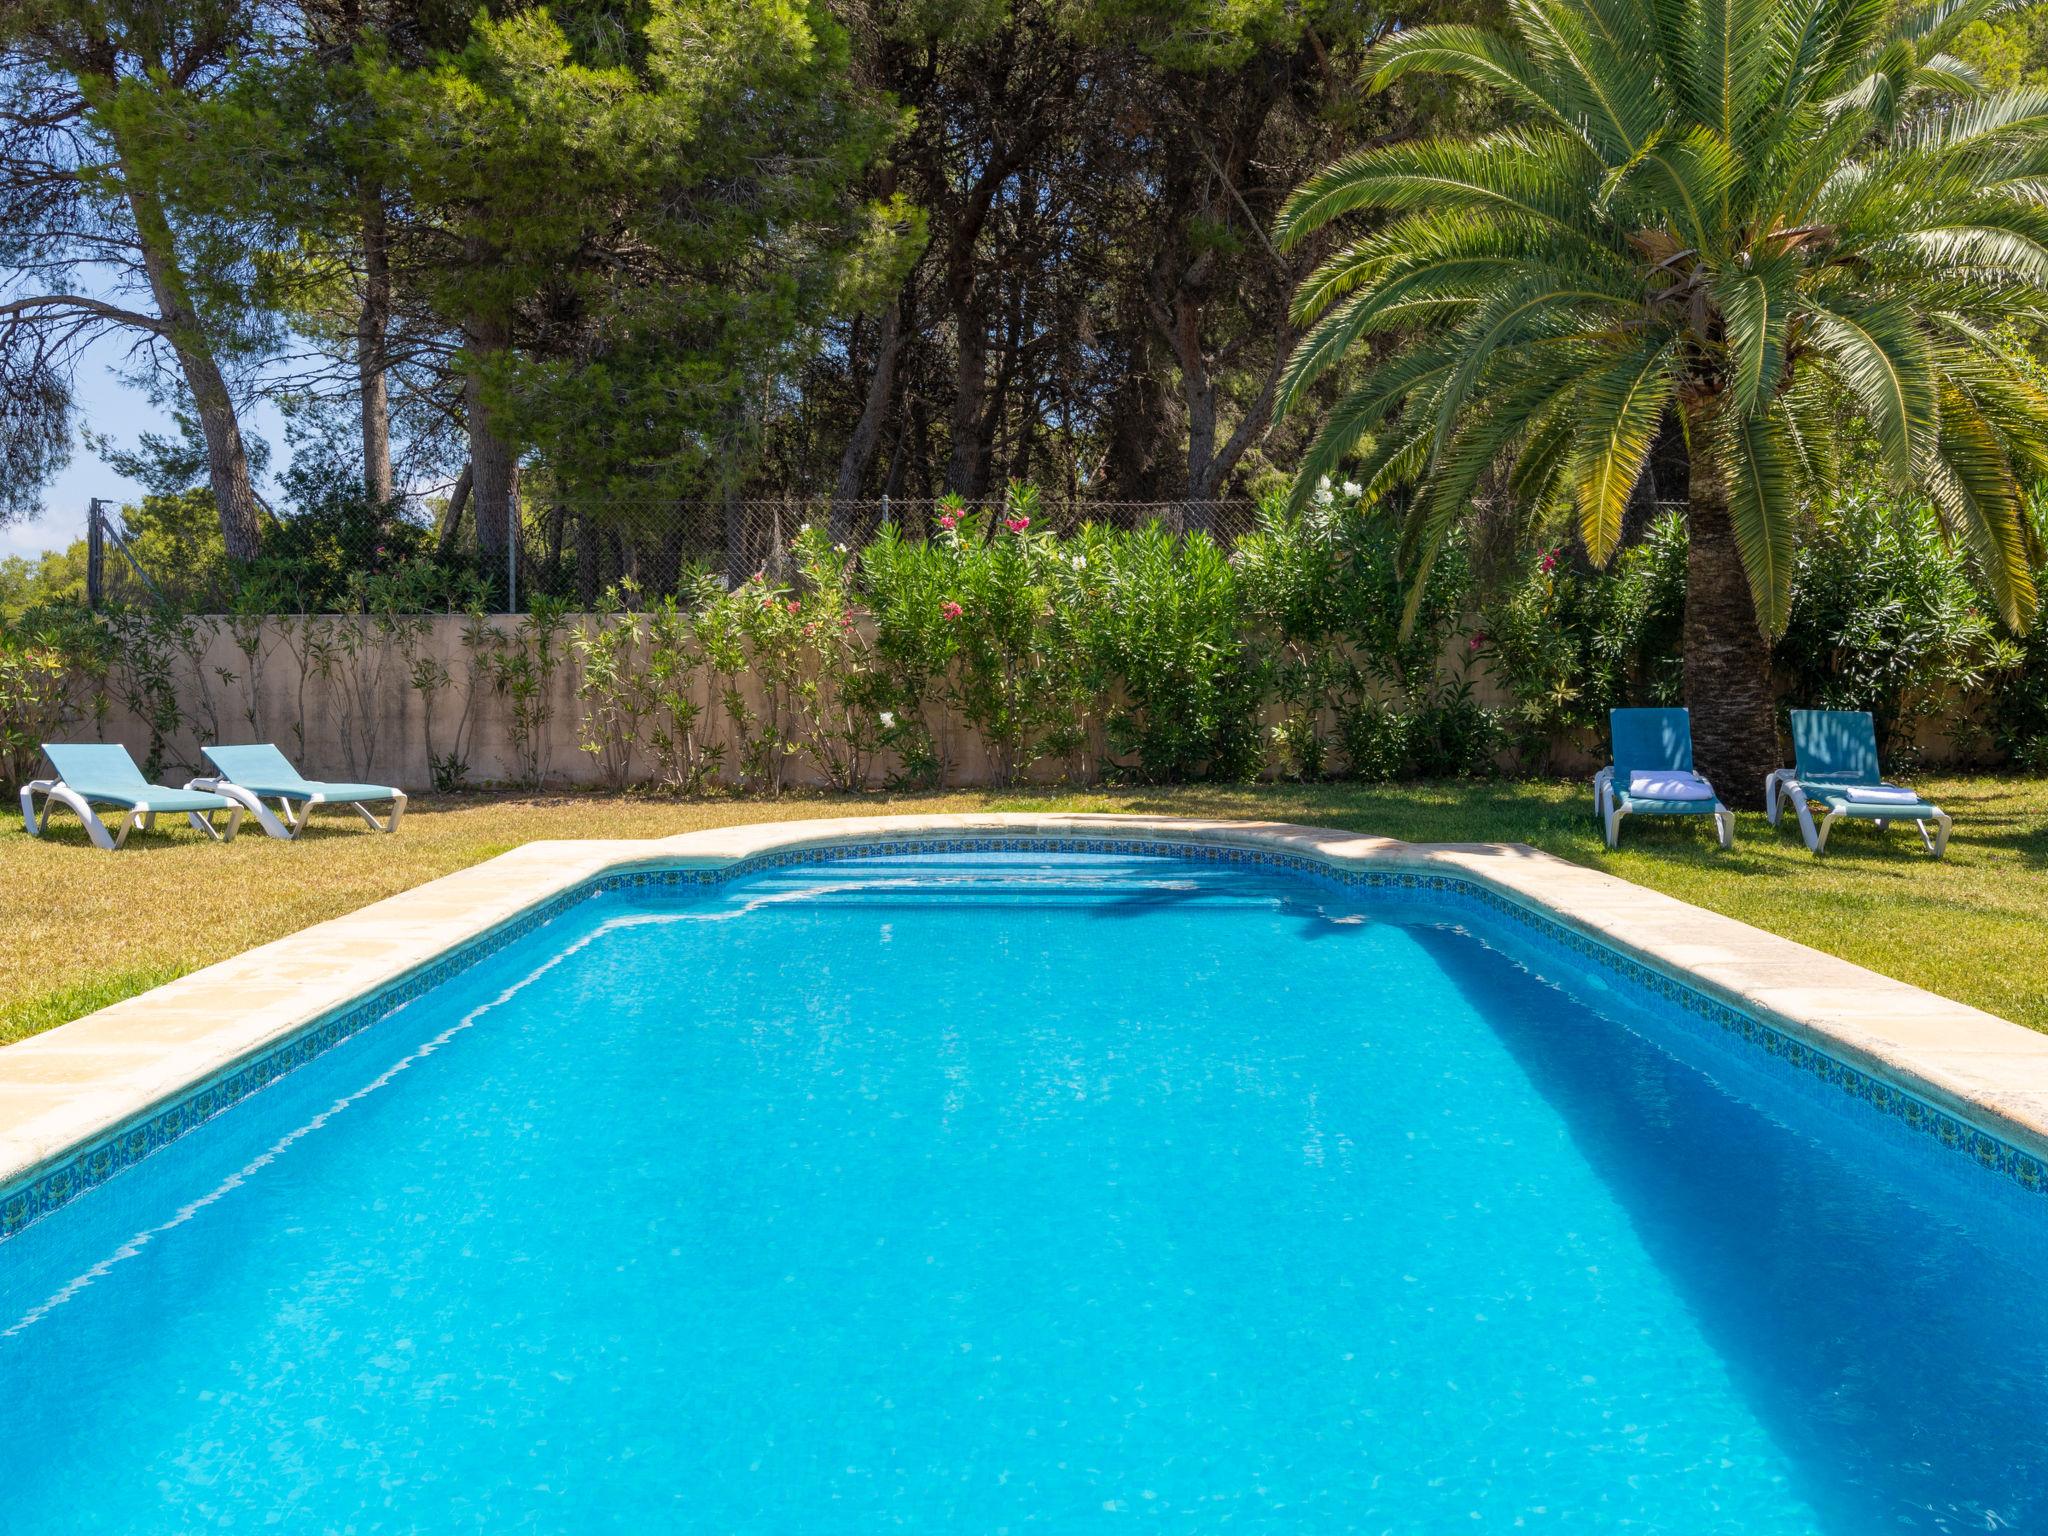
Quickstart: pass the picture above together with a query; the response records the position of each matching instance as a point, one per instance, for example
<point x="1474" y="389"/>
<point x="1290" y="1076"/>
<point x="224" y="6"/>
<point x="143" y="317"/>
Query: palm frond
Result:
<point x="1881" y="355"/>
<point x="1763" y="508"/>
<point x="1616" y="413"/>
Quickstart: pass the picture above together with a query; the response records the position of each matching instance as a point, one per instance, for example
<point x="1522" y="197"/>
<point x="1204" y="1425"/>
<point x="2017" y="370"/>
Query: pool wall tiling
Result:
<point x="82" y="1102"/>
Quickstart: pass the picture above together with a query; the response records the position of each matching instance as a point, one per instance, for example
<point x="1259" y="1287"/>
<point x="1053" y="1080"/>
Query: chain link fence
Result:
<point x="577" y="556"/>
<point x="574" y="554"/>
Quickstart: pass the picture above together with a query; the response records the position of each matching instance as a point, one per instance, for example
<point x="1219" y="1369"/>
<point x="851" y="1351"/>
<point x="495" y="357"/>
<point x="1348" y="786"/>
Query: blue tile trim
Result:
<point x="93" y="1164"/>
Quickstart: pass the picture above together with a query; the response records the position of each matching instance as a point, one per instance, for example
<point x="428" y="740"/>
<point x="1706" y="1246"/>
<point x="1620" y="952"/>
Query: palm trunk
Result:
<point x="373" y="324"/>
<point x="1727" y="656"/>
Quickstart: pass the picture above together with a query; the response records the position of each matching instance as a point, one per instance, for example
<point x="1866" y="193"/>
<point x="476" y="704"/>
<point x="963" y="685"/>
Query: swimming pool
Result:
<point x="1009" y="1191"/>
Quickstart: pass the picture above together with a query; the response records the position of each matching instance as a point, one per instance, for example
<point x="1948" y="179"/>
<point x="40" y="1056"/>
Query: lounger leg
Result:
<point x="1724" y="825"/>
<point x="55" y="793"/>
<point x="1803" y="808"/>
<point x="1613" y="820"/>
<point x="391" y="825"/>
<point x="246" y="803"/>
<point x="202" y="821"/>
<point x="29" y="791"/>
<point x="1771" y="796"/>
<point x="1820" y="842"/>
<point x="1939" y="845"/>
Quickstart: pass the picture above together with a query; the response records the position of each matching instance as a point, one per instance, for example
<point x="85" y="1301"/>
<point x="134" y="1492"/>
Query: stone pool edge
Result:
<point x="72" y="1089"/>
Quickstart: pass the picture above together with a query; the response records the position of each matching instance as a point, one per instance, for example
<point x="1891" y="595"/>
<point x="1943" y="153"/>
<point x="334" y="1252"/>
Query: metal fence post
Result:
<point x="95" y="556"/>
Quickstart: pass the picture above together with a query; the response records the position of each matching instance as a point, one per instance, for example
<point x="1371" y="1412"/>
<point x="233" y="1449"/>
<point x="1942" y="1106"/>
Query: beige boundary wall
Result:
<point x="360" y="717"/>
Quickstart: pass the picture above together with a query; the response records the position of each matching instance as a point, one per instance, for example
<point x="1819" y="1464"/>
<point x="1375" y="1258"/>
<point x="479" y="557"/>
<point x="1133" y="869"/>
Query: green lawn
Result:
<point x="85" y="928"/>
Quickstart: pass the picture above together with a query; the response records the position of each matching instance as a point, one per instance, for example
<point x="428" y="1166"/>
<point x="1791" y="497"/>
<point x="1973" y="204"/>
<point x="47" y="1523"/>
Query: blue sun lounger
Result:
<point x="1652" y="774"/>
<point x="1836" y="752"/>
<point x="96" y="773"/>
<point x="254" y="774"/>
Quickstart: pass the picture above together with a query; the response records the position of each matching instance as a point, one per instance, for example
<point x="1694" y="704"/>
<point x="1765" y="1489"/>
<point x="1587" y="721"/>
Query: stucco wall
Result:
<point x="359" y="716"/>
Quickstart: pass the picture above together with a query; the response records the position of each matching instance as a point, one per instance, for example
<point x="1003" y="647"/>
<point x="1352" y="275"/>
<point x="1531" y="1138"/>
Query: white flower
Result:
<point x="1324" y="483"/>
<point x="1351" y="487"/>
<point x="1323" y="497"/>
<point x="888" y="720"/>
<point x="1080" y="562"/>
<point x="838" y="549"/>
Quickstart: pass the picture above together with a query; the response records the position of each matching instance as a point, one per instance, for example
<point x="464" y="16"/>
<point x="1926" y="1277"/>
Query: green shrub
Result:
<point x="53" y="674"/>
<point x="1568" y="643"/>
<point x="2019" y="695"/>
<point x="1163" y="641"/>
<point x="1011" y="605"/>
<point x="1886" y="617"/>
<point x="1325" y="598"/>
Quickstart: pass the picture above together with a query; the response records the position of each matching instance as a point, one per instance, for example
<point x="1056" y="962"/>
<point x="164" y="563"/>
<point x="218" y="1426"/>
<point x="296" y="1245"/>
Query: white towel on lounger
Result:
<point x="1668" y="784"/>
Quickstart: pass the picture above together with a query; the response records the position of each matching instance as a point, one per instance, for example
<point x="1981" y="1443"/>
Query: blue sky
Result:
<point x="124" y="413"/>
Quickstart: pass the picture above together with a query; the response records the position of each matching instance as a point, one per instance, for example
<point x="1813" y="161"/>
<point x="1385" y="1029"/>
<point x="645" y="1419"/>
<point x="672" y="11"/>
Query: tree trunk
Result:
<point x="967" y="465"/>
<point x="1142" y="422"/>
<point x="588" y="583"/>
<point x="1727" y="657"/>
<point x="1198" y="390"/>
<point x="451" y="516"/>
<point x="227" y="459"/>
<point x="373" y="325"/>
<point x="859" y="457"/>
<point x="736" y="571"/>
<point x="491" y="460"/>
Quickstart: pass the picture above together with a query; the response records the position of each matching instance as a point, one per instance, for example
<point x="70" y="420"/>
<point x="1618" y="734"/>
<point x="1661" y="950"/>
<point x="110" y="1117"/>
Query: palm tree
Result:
<point x="1763" y="217"/>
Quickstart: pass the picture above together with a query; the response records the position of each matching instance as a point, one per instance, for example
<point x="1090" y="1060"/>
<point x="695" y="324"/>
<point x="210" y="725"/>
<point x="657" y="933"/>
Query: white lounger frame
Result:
<point x="56" y="792"/>
<point x="289" y="820"/>
<point x="1782" y="787"/>
<point x="1607" y="806"/>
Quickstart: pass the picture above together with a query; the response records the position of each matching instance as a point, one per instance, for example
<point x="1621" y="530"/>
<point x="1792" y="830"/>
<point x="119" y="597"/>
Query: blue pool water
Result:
<point x="1022" y="1192"/>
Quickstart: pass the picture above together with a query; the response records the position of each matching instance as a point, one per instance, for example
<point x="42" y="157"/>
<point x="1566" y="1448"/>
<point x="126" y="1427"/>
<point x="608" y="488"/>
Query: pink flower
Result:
<point x="1549" y="561"/>
<point x="794" y="605"/>
<point x="948" y="520"/>
<point x="1016" y="524"/>
<point x="1477" y="641"/>
<point x="767" y="599"/>
<point x="951" y="611"/>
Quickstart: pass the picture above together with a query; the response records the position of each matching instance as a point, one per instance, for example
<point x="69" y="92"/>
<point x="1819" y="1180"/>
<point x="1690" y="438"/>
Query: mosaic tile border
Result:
<point x="86" y="1168"/>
